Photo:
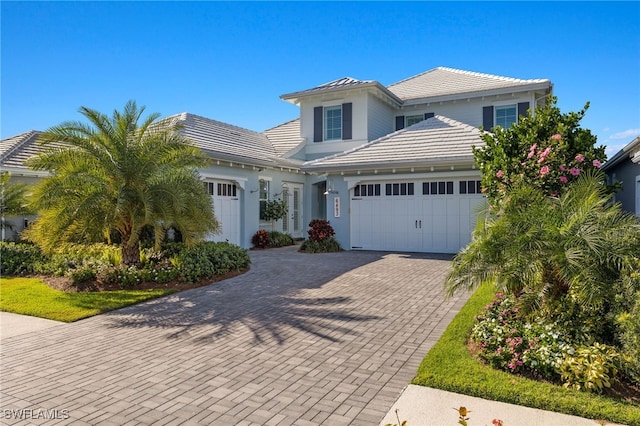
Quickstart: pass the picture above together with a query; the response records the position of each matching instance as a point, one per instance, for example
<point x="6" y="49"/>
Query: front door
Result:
<point x="292" y="224"/>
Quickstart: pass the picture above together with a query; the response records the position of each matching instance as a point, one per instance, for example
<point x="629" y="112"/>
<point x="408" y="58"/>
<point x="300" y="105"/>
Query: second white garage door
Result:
<point x="415" y="216"/>
<point x="226" y="207"/>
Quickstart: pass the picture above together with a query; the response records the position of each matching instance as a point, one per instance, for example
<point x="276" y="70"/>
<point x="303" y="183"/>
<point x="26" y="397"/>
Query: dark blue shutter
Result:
<point x="429" y="115"/>
<point x="346" y="120"/>
<point x="487" y="117"/>
<point x="522" y="108"/>
<point x="317" y="124"/>
<point x="399" y="122"/>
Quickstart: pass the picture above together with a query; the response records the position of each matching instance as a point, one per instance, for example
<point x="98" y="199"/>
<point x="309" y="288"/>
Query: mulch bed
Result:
<point x="65" y="284"/>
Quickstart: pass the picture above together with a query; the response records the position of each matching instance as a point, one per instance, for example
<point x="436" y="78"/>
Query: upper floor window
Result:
<point x="413" y="119"/>
<point x="506" y="115"/>
<point x="333" y="123"/>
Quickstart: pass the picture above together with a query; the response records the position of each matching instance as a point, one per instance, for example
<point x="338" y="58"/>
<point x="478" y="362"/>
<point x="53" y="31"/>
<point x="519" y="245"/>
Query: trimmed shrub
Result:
<point x="278" y="239"/>
<point x="208" y="259"/>
<point x="328" y="245"/>
<point x="20" y="258"/>
<point x="260" y="239"/>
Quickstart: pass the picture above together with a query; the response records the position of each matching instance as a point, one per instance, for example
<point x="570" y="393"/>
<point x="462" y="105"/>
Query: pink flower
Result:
<point x="597" y="164"/>
<point x="533" y="147"/>
<point x="546" y="151"/>
<point x="563" y="168"/>
<point x="499" y="174"/>
<point x="556" y="137"/>
<point x="544" y="170"/>
<point x="579" y="158"/>
<point x="530" y="154"/>
<point x="563" y="179"/>
<point x="574" y="171"/>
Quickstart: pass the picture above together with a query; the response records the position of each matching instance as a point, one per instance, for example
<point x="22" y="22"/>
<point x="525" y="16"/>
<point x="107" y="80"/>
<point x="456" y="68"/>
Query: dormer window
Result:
<point x="333" y="123"/>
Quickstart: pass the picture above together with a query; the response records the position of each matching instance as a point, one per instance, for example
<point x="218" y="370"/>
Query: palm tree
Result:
<point x="542" y="249"/>
<point x="118" y="174"/>
<point x="13" y="200"/>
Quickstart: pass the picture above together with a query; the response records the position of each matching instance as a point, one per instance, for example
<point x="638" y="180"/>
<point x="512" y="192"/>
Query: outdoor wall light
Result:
<point x="330" y="191"/>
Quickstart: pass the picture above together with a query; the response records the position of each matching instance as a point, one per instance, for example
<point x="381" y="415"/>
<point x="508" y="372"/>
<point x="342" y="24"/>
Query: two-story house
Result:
<point x="390" y="167"/>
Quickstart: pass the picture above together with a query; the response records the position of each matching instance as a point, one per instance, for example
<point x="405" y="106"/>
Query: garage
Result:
<point x="433" y="216"/>
<point x="226" y="206"/>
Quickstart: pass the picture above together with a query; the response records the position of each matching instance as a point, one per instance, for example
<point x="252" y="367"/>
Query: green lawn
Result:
<point x="450" y="366"/>
<point x="30" y="296"/>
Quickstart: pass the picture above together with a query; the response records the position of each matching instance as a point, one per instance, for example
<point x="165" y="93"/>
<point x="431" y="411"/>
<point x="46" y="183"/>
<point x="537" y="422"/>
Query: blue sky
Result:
<point x="232" y="61"/>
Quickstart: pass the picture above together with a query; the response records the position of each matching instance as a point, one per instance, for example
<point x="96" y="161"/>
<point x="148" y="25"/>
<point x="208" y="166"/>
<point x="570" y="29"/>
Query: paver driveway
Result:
<point x="300" y="339"/>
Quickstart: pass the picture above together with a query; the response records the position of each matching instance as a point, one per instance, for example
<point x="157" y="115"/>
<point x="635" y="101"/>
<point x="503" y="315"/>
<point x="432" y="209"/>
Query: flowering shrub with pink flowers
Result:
<point x="548" y="150"/>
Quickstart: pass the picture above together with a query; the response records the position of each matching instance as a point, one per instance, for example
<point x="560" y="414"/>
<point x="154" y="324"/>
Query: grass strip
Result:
<point x="31" y="296"/>
<point x="449" y="366"/>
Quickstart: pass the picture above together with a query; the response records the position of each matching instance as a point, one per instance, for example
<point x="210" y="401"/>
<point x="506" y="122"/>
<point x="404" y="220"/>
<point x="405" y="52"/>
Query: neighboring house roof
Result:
<point x="441" y="83"/>
<point x="227" y="142"/>
<point x="630" y="151"/>
<point x="436" y="141"/>
<point x="14" y="151"/>
<point x="285" y="137"/>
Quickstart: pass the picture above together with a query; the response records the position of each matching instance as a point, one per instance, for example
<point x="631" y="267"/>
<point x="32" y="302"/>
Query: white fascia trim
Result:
<point x="352" y="181"/>
<point x="14" y="171"/>
<point x="269" y="178"/>
<point x="240" y="181"/>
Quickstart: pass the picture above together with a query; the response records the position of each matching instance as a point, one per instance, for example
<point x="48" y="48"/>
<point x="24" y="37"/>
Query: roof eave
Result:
<point x="295" y="97"/>
<point x="462" y="160"/>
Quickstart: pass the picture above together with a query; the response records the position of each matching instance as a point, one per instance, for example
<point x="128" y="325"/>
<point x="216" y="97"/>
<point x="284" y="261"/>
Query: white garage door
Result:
<point x="416" y="216"/>
<point x="226" y="207"/>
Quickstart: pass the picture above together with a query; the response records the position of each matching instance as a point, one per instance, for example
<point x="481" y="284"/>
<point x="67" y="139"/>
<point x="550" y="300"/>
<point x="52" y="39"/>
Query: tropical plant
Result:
<point x="119" y="173"/>
<point x="13" y="199"/>
<point x="260" y="239"/>
<point x="565" y="254"/>
<point x="547" y="150"/>
<point x="320" y="229"/>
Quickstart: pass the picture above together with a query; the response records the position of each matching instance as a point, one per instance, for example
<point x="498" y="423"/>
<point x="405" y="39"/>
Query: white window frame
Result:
<point x="502" y="107"/>
<point x="326" y="129"/>
<point x="410" y="120"/>
<point x="264" y="195"/>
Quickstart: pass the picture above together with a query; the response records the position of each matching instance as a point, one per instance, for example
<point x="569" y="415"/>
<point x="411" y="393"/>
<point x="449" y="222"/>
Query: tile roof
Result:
<point x="342" y="84"/>
<point x="444" y="81"/>
<point x="14" y="151"/>
<point x="437" y="140"/>
<point x="227" y="142"/>
<point x="285" y="137"/>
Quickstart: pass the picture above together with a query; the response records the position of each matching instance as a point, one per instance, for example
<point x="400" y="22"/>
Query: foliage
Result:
<point x="563" y="254"/>
<point x="260" y="239"/>
<point x="449" y="366"/>
<point x="320" y="230"/>
<point x="19" y="258"/>
<point x="547" y="150"/>
<point x="591" y="368"/>
<point x="208" y="259"/>
<point x="328" y="245"/>
<point x="274" y="210"/>
<point x="117" y="173"/>
<point x="13" y="199"/>
<point x="629" y="326"/>
<point x="279" y="239"/>
<point x="509" y="343"/>
<point x="30" y="296"/>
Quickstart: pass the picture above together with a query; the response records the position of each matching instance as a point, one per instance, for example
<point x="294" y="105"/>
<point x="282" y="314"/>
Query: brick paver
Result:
<point x="300" y="339"/>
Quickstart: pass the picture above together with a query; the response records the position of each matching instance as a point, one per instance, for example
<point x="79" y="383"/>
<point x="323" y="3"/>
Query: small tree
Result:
<point x="275" y="210"/>
<point x="547" y="151"/>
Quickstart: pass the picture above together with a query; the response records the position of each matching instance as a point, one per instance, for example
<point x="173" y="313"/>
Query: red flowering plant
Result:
<point x="547" y="150"/>
<point x="320" y="230"/>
